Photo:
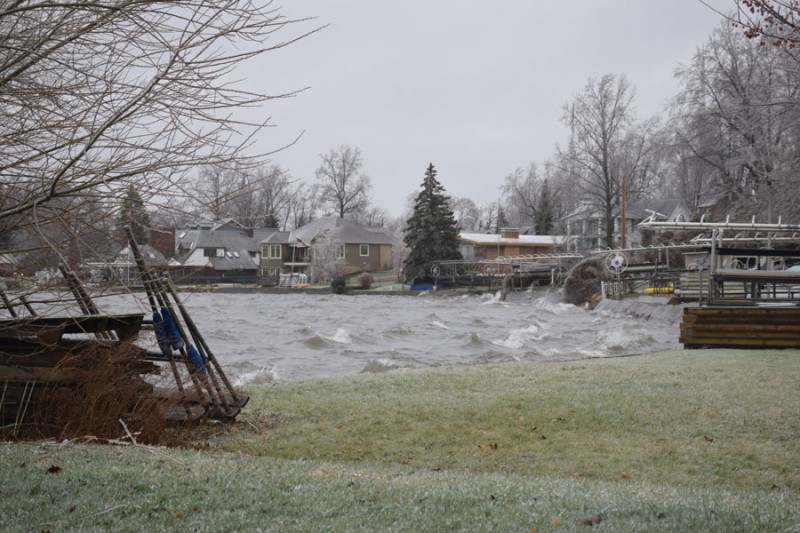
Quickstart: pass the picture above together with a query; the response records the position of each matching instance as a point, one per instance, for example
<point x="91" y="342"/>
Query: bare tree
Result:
<point x="521" y="191"/>
<point x="466" y="213"/>
<point x="606" y="145"/>
<point x="326" y="264"/>
<point x="213" y="190"/>
<point x="370" y="215"/>
<point x="304" y="204"/>
<point x="99" y="95"/>
<point x="274" y="192"/>
<point x="343" y="183"/>
<point x="736" y="123"/>
<point x="491" y="213"/>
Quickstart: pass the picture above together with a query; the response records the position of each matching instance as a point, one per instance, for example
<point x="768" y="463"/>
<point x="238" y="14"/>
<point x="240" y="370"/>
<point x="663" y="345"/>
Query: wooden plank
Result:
<point x="126" y="326"/>
<point x="739" y="321"/>
<point x="41" y="374"/>
<point x="739" y="311"/>
<point x="793" y="329"/>
<point x="743" y="336"/>
<point x="742" y="343"/>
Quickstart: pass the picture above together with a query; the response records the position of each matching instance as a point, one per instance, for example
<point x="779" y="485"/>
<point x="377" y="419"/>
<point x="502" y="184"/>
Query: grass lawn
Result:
<point x="705" y="440"/>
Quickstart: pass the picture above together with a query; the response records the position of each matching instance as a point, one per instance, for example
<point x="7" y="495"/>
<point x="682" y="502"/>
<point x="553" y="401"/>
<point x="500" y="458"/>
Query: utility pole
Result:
<point x="622" y="215"/>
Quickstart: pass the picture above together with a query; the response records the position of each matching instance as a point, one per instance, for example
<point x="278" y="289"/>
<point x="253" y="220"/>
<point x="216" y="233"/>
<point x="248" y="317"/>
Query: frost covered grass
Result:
<point x="99" y="488"/>
<point x="680" y="441"/>
<point x="704" y="418"/>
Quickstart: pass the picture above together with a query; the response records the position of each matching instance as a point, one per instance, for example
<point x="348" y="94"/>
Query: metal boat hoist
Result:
<point x="766" y="280"/>
<point x="544" y="268"/>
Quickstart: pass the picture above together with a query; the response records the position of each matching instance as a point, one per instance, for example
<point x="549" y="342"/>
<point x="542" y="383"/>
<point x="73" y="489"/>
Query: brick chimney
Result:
<point x="163" y="240"/>
<point x="509" y="233"/>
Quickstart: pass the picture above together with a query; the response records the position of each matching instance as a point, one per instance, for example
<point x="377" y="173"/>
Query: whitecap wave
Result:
<point x="341" y="336"/>
<point x="379" y="366"/>
<point x="622" y="339"/>
<point x="259" y="376"/>
<point x="518" y="338"/>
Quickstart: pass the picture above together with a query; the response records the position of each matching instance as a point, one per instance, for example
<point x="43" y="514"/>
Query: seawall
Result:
<point x="643" y="307"/>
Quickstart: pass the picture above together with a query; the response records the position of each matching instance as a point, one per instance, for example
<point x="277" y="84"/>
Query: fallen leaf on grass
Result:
<point x="54" y="469"/>
<point x="708" y="439"/>
<point x="486" y="447"/>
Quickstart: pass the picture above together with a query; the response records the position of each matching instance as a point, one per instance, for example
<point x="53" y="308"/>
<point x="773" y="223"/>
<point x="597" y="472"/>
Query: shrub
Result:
<point x="365" y="280"/>
<point x="339" y="285"/>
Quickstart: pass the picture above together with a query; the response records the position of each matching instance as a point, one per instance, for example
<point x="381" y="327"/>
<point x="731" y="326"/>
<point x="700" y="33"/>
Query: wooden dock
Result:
<point x="41" y="357"/>
<point x="741" y="327"/>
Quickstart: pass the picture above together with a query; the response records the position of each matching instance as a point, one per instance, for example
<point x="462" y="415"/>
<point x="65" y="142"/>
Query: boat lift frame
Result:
<point x="491" y="269"/>
<point x="773" y="233"/>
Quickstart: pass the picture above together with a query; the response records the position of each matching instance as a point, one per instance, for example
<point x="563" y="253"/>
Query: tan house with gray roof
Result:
<point x="325" y="247"/>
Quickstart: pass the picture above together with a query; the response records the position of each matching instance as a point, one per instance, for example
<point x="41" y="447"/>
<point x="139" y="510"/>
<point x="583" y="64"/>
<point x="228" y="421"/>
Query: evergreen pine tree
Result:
<point x="431" y="232"/>
<point x="271" y="221"/>
<point x="134" y="215"/>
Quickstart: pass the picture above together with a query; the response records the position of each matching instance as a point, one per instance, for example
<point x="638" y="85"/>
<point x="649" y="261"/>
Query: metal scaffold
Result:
<point x="769" y="245"/>
<point x="522" y="269"/>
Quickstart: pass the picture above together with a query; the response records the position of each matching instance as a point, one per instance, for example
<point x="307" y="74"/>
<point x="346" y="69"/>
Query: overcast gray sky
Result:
<point x="475" y="87"/>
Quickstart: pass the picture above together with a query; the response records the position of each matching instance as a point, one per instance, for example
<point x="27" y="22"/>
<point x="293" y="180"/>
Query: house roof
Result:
<point x="149" y="254"/>
<point x="239" y="243"/>
<point x="489" y="239"/>
<point x="277" y="237"/>
<point x="341" y="230"/>
<point x="234" y="260"/>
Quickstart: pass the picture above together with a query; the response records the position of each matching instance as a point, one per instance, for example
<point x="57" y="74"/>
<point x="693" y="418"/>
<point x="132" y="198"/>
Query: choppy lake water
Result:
<point x="261" y="338"/>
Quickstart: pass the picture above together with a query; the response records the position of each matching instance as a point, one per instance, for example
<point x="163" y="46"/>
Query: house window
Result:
<point x="363" y="250"/>
<point x="340" y="251"/>
<point x="274" y="251"/>
<point x="214" y="252"/>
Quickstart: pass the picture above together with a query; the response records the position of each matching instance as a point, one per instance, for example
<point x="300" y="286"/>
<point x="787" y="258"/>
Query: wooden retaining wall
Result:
<point x="740" y="327"/>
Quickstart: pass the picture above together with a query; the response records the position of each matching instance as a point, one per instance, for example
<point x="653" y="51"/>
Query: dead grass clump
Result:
<point x="107" y="399"/>
<point x="584" y="280"/>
